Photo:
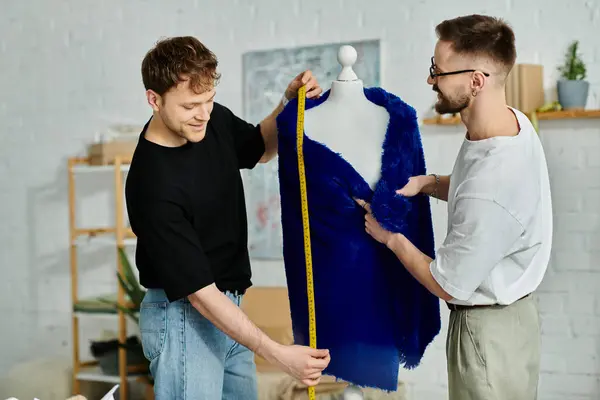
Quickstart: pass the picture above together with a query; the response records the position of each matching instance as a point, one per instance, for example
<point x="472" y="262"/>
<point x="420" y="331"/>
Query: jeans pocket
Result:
<point x="153" y="328"/>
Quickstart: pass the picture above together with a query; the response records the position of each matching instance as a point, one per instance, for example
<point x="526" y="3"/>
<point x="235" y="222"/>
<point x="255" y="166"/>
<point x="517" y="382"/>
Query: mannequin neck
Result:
<point x="344" y="91"/>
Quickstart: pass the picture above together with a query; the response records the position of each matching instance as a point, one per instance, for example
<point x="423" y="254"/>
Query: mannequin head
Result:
<point x="347" y="56"/>
<point x="472" y="59"/>
<point x="180" y="75"/>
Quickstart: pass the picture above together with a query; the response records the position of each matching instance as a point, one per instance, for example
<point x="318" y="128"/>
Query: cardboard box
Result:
<point x="105" y="153"/>
<point x="525" y="87"/>
<point x="269" y="309"/>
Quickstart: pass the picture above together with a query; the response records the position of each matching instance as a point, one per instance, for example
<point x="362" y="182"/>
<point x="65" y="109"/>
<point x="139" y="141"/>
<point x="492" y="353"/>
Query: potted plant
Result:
<point x="573" y="88"/>
<point x="107" y="352"/>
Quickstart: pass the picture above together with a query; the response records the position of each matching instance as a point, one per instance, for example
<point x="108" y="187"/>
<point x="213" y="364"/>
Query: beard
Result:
<point x="181" y="129"/>
<point x="174" y="127"/>
<point x="448" y="105"/>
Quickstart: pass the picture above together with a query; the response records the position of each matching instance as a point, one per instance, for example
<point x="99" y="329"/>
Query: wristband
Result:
<point x="437" y="182"/>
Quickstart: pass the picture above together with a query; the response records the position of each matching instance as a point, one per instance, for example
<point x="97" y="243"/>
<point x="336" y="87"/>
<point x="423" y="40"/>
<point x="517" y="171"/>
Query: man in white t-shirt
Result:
<point x="499" y="235"/>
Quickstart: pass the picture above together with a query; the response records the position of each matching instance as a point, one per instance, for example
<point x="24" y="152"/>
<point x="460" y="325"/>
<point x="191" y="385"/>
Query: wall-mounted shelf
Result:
<point x="548" y="115"/>
<point x="443" y="120"/>
<point x="568" y="114"/>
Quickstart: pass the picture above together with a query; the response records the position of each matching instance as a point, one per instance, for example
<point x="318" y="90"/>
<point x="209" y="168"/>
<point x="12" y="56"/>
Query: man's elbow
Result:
<point x="200" y="298"/>
<point x="435" y="287"/>
<point x="444" y="295"/>
<point x="267" y="156"/>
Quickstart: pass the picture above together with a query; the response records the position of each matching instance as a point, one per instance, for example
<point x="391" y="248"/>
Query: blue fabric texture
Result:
<point x="371" y="314"/>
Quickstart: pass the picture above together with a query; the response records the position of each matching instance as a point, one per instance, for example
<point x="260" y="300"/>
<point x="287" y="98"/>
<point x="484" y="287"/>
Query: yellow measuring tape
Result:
<point x="312" y="329"/>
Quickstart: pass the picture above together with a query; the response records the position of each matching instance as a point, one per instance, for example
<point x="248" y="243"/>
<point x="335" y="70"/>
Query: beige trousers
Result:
<point x="494" y="352"/>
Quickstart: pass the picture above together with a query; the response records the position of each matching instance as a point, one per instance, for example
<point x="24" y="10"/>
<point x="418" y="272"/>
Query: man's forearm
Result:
<point x="268" y="129"/>
<point x="417" y="263"/>
<point x="442" y="187"/>
<point x="230" y="319"/>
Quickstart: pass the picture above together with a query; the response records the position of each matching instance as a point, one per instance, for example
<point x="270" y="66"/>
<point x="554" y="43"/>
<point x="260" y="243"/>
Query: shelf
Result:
<point x="98" y="305"/>
<point x="105" y="239"/>
<point x="85" y="164"/>
<point x="102" y="236"/>
<point x="442" y="121"/>
<point x="548" y="115"/>
<point x="102" y="231"/>
<point x="95" y="374"/>
<point x="98" y="168"/>
<point x="568" y="114"/>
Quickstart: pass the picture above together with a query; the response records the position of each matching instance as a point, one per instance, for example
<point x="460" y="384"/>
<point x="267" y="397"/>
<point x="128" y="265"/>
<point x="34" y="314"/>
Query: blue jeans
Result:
<point x="189" y="357"/>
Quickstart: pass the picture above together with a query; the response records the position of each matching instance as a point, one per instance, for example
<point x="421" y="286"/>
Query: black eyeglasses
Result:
<point x="433" y="74"/>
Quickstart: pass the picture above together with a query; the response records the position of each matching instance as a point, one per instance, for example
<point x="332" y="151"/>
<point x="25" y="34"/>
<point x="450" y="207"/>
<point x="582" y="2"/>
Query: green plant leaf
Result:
<point x="131" y="313"/>
<point x="573" y="67"/>
<point x="131" y="293"/>
<point x="133" y="290"/>
<point x="127" y="270"/>
<point x="535" y="122"/>
<point x="129" y="281"/>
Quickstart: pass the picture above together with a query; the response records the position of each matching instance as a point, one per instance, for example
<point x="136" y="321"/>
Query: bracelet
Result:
<point x="284" y="100"/>
<point x="437" y="182"/>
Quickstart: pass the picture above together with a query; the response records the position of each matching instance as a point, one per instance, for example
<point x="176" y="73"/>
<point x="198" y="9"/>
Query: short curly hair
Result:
<point x="480" y="35"/>
<point x="176" y="59"/>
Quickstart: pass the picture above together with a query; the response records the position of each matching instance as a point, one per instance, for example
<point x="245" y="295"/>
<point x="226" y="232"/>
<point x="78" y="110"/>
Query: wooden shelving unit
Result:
<point x="549" y="115"/>
<point x="120" y="236"/>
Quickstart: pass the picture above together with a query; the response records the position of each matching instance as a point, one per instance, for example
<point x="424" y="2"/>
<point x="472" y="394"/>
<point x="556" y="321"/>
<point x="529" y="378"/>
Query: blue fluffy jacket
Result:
<point x="371" y="313"/>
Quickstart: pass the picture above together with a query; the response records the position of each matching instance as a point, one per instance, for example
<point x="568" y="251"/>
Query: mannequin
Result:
<point x="371" y="314"/>
<point x="348" y="122"/>
<point x="341" y="123"/>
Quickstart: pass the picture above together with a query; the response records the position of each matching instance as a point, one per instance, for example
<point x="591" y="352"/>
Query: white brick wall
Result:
<point x="71" y="68"/>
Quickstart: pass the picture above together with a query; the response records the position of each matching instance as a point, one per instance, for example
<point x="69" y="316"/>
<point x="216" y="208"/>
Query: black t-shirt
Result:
<point x="186" y="206"/>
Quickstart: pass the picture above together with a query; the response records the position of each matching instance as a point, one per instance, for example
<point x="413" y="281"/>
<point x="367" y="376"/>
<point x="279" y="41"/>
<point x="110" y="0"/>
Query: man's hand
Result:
<point x="305" y="78"/>
<point x="413" y="187"/>
<point x="416" y="262"/>
<point x="373" y="227"/>
<point x="303" y="363"/>
<point x="268" y="126"/>
<point x="426" y="184"/>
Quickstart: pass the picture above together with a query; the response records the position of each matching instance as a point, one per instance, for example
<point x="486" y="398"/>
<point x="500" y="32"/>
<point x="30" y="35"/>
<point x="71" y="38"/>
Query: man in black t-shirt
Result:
<point x="186" y="205"/>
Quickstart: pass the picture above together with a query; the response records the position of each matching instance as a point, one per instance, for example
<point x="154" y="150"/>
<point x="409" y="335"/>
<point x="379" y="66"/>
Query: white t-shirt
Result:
<point x="499" y="220"/>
